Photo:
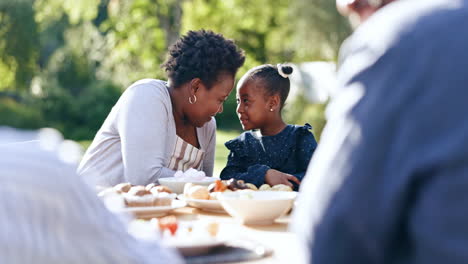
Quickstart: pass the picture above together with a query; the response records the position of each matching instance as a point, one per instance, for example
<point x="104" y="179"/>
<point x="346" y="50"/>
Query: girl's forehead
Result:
<point x="250" y="87"/>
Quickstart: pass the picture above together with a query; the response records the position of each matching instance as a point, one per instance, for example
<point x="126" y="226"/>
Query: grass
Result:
<point x="221" y="151"/>
<point x="220" y="154"/>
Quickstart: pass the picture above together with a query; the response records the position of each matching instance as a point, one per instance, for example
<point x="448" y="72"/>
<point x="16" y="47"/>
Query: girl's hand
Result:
<point x="274" y="177"/>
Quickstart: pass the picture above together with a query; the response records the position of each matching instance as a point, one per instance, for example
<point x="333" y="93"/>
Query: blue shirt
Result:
<point x="251" y="155"/>
<point x="390" y="174"/>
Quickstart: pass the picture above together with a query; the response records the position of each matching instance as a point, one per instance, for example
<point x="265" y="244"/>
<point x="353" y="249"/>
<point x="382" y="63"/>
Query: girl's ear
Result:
<point x="274" y="102"/>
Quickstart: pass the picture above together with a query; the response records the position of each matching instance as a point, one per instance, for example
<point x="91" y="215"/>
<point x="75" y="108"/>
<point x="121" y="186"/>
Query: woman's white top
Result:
<point x="137" y="140"/>
<point x="185" y="156"/>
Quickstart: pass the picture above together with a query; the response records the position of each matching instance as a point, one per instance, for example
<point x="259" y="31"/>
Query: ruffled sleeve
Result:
<point x="305" y="148"/>
<point x="239" y="165"/>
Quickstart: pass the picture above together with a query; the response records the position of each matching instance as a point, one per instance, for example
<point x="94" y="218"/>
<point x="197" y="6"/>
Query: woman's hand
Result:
<point x="274" y="177"/>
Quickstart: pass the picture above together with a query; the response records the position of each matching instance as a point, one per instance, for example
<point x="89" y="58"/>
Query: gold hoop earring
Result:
<point x="194" y="100"/>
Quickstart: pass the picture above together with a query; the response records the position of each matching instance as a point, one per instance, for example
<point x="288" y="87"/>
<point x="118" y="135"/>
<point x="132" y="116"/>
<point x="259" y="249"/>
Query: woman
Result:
<point x="157" y="128"/>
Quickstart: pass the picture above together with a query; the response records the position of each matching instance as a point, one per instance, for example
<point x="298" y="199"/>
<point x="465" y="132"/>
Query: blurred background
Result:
<point x="64" y="63"/>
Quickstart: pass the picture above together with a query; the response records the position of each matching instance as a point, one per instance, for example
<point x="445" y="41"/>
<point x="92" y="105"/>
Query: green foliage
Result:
<point x="85" y="51"/>
<point x="260" y="27"/>
<point x="320" y="26"/>
<point x="228" y="119"/>
<point x="299" y="111"/>
<point x="18" y="44"/>
<point x="79" y="117"/>
<point x="137" y="34"/>
<point x="19" y="115"/>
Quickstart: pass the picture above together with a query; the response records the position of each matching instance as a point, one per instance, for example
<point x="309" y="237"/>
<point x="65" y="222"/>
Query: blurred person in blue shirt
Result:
<point x="48" y="215"/>
<point x="389" y="180"/>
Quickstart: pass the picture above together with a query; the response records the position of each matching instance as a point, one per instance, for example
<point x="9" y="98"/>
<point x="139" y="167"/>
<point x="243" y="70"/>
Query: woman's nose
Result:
<point x="220" y="109"/>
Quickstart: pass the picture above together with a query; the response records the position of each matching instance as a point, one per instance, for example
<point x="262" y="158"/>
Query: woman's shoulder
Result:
<point x="150" y="87"/>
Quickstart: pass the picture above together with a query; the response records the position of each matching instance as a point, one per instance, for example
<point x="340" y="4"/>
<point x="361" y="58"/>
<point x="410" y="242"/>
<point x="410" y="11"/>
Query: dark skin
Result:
<point x="209" y="102"/>
<point x="258" y="110"/>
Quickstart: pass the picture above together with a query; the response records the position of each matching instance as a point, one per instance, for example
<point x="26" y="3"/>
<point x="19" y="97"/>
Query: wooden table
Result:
<point x="276" y="236"/>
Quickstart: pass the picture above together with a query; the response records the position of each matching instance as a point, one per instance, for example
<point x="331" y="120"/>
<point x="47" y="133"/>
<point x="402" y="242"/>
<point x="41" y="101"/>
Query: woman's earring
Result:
<point x="194" y="100"/>
<point x="271" y="109"/>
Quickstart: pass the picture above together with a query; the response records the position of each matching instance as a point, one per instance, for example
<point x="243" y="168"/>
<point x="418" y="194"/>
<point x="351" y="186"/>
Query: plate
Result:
<point x="154" y="211"/>
<point x="205" y="205"/>
<point x="231" y="252"/>
<point x="195" y="247"/>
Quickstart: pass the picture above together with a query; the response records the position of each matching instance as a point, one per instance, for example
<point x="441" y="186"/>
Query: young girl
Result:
<point x="275" y="153"/>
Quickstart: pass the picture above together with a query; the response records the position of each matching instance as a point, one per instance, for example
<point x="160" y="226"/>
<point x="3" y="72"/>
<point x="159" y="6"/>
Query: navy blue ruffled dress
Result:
<point x="288" y="151"/>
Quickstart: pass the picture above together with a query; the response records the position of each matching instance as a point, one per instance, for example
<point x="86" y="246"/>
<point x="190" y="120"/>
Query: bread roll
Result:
<point x="281" y="187"/>
<point x="251" y="186"/>
<point x="199" y="192"/>
<point x="265" y="187"/>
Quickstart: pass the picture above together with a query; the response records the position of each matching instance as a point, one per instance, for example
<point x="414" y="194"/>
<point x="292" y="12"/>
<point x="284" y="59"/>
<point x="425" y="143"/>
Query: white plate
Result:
<point x="205" y="205"/>
<point x="154" y="211"/>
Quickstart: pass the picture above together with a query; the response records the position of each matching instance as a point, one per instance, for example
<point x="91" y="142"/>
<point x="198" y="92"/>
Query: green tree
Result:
<point x="319" y="29"/>
<point x="18" y="44"/>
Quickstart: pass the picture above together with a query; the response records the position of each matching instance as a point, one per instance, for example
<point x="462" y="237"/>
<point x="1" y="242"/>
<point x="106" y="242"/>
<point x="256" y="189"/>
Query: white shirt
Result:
<point x="137" y="139"/>
<point x="48" y="215"/>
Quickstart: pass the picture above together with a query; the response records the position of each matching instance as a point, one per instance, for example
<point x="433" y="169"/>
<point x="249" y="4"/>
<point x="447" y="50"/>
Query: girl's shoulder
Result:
<point x="244" y="140"/>
<point x="306" y="128"/>
<point x="301" y="132"/>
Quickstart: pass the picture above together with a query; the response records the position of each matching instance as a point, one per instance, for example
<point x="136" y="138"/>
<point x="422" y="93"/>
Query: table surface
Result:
<point x="275" y="236"/>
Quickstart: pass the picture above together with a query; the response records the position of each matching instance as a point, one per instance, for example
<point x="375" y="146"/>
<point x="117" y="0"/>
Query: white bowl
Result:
<point x="177" y="184"/>
<point x="257" y="207"/>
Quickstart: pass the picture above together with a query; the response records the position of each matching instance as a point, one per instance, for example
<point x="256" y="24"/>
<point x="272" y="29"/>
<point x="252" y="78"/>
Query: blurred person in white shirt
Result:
<point x="48" y="215"/>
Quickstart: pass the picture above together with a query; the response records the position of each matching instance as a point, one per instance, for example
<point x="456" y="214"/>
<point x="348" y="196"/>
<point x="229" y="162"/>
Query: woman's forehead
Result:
<point x="224" y="86"/>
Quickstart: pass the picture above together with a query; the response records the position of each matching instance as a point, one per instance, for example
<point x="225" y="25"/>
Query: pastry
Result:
<point x="150" y="186"/>
<point x="123" y="187"/>
<point x="160" y="189"/>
